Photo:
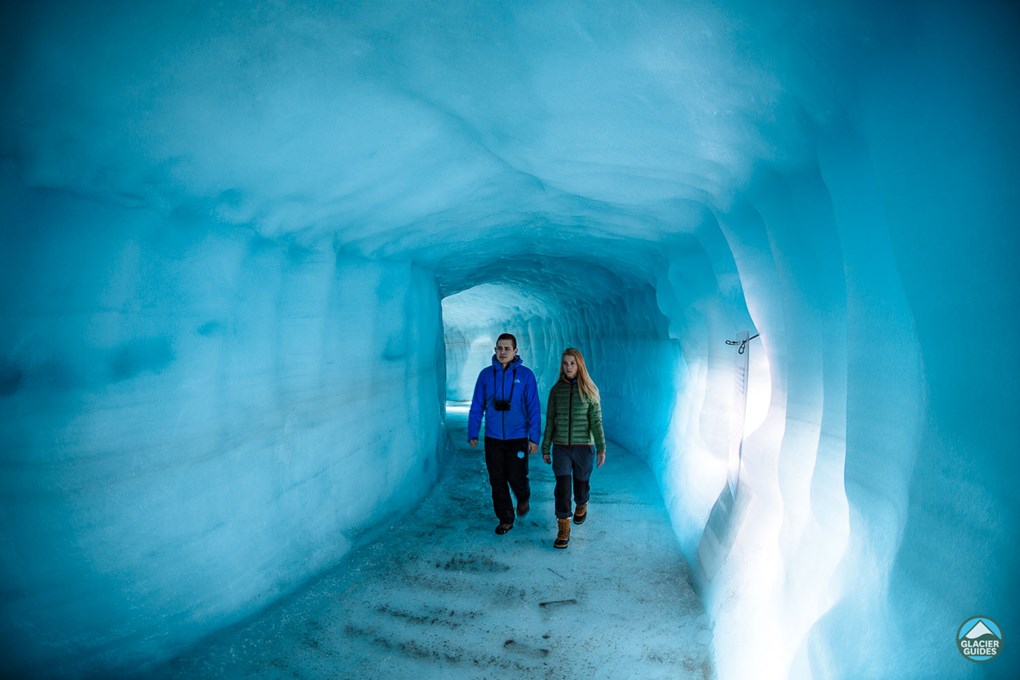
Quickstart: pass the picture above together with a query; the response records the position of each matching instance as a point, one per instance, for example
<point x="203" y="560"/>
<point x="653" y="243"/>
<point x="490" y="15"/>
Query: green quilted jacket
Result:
<point x="571" y="419"/>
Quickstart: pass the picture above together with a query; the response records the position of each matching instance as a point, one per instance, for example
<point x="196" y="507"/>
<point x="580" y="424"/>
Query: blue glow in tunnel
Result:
<point x="250" y="249"/>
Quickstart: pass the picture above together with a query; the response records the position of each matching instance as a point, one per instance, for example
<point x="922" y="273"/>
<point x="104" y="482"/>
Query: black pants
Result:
<point x="507" y="470"/>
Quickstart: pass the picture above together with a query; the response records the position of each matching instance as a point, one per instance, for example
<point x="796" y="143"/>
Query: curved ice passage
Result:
<point x="230" y="232"/>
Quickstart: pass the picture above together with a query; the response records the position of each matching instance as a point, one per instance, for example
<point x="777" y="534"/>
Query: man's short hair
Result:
<point x="507" y="336"/>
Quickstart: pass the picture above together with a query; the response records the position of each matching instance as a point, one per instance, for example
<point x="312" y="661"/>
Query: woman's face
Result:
<point x="569" y="366"/>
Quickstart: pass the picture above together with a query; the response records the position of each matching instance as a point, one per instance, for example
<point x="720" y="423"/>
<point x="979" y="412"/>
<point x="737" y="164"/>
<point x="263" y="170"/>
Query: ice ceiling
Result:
<point x="400" y="128"/>
<point x="241" y="237"/>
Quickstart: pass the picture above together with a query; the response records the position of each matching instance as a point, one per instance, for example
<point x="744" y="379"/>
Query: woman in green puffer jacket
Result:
<point x="573" y="430"/>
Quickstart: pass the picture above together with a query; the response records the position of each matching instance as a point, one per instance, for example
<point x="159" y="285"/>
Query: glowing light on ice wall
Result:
<point x="236" y="235"/>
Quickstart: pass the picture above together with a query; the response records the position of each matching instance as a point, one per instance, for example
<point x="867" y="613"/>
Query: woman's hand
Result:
<point x="600" y="458"/>
<point x="545" y="457"/>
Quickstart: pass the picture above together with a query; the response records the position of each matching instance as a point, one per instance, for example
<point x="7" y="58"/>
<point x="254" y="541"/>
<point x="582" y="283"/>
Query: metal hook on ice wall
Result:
<point x="742" y="343"/>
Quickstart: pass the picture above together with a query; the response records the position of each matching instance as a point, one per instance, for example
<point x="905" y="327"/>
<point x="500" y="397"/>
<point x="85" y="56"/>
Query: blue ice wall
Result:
<point x="943" y="145"/>
<point x="887" y="262"/>
<point x="194" y="420"/>
<point x="235" y="236"/>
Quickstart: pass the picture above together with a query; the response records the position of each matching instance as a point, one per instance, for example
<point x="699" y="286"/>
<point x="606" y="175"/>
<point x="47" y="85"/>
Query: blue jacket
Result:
<point x="516" y="383"/>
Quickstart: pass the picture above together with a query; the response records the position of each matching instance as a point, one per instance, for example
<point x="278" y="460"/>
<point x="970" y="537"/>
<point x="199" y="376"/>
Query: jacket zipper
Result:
<point x="570" y="417"/>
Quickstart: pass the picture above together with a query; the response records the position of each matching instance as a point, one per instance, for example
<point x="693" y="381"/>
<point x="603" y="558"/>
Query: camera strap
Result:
<point x="512" y="382"/>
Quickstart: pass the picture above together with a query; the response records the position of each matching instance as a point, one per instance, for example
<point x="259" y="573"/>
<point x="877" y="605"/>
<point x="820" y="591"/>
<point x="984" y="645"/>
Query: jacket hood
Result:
<point x="517" y="361"/>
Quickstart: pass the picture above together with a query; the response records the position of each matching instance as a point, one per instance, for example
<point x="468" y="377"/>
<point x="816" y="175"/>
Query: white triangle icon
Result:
<point x="978" y="630"/>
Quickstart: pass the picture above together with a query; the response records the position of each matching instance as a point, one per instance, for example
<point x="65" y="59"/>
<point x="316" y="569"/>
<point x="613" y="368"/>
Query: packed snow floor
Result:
<point x="439" y="595"/>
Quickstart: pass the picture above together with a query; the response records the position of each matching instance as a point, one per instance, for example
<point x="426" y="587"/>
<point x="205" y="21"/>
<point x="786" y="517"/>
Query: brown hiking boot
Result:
<point x="563" y="537"/>
<point x="581" y="513"/>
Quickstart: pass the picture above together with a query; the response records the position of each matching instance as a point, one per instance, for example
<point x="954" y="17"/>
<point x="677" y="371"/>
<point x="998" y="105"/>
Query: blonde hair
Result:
<point x="584" y="382"/>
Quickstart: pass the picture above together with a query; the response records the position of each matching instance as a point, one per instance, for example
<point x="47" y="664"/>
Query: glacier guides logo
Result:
<point x="979" y="639"/>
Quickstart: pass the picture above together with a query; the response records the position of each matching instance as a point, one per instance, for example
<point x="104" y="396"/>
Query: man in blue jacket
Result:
<point x="507" y="394"/>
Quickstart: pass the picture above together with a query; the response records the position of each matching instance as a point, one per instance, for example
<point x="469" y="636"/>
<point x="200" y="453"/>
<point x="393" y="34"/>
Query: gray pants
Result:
<point x="575" y="461"/>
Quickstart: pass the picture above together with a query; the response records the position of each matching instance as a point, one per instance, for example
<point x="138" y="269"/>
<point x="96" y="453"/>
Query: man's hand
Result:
<point x="600" y="458"/>
<point x="532" y="447"/>
<point x="545" y="457"/>
<point x="473" y="442"/>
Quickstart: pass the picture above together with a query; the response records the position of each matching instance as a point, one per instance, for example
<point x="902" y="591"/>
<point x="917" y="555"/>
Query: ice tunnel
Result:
<point x="249" y="250"/>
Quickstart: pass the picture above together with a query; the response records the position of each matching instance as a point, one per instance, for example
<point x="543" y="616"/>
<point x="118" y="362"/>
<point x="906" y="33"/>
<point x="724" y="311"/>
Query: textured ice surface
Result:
<point x="191" y="434"/>
<point x="229" y="231"/>
<point x="438" y="594"/>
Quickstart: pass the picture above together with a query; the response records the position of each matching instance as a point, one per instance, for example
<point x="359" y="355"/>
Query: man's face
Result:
<point x="505" y="352"/>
